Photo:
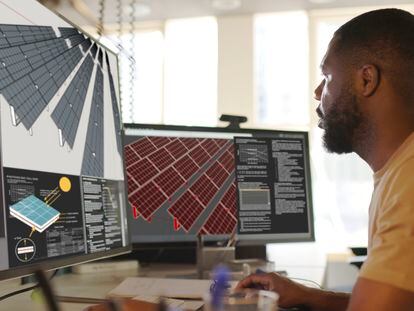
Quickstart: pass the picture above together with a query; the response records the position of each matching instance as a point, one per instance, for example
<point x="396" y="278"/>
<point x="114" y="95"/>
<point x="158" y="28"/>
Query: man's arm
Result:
<point x="292" y="294"/>
<point x="367" y="295"/>
<point x="373" y="295"/>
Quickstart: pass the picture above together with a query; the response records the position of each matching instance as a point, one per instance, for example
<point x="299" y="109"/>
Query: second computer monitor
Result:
<point x="187" y="181"/>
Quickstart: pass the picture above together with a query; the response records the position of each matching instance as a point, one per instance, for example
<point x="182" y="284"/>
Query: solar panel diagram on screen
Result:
<point x="41" y="63"/>
<point x="35" y="213"/>
<point x="192" y="178"/>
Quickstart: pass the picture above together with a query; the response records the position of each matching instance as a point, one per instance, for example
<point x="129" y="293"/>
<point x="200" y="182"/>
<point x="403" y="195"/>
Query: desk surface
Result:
<point x="97" y="285"/>
<point x="86" y="285"/>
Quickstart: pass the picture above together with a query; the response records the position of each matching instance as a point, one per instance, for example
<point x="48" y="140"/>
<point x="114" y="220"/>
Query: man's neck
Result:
<point x="377" y="150"/>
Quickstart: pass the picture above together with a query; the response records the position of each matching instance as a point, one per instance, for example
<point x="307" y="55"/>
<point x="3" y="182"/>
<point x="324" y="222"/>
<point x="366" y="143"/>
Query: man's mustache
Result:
<point x="321" y="118"/>
<point x="319" y="113"/>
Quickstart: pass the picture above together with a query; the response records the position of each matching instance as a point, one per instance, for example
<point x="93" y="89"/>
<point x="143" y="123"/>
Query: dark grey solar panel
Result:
<point x="25" y="99"/>
<point x="67" y="112"/>
<point x="19" y="34"/>
<point x="67" y="31"/>
<point x="93" y="155"/>
<point x="100" y="56"/>
<point x="115" y="107"/>
<point x="39" y="86"/>
<point x="86" y="44"/>
<point x="19" y="61"/>
<point x="77" y="40"/>
<point x="93" y="50"/>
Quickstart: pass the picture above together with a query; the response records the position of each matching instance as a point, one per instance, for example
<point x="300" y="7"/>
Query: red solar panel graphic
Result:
<point x="221" y="221"/>
<point x="169" y="181"/>
<point x="229" y="199"/>
<point x="186" y="210"/>
<point x="186" y="167"/>
<point x="227" y="160"/>
<point x="199" y="155"/>
<point x="132" y="184"/>
<point x="161" y="159"/>
<point x="176" y="148"/>
<point x="147" y="199"/>
<point x="210" y="146"/>
<point x="142" y="171"/>
<point x="160" y="141"/>
<point x="220" y="142"/>
<point x="217" y="174"/>
<point x="190" y="143"/>
<point x="204" y="189"/>
<point x="130" y="156"/>
<point x="188" y="180"/>
<point x="143" y="147"/>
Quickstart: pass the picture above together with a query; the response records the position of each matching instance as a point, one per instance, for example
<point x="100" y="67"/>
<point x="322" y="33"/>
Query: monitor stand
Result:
<point x="208" y="257"/>
<point x="241" y="260"/>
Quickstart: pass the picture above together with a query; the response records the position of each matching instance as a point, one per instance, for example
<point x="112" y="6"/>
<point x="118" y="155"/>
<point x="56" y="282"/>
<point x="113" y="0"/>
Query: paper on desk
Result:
<point x="191" y="305"/>
<point x="170" y="288"/>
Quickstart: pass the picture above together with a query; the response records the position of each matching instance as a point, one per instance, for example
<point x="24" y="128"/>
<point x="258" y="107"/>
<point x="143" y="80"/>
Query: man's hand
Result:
<point x="290" y="293"/>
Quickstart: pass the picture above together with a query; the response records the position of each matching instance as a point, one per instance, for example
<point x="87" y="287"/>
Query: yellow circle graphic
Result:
<point x="64" y="184"/>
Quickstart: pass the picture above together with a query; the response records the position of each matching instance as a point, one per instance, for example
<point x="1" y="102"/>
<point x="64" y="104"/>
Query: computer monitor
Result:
<point x="189" y="181"/>
<point x="63" y="198"/>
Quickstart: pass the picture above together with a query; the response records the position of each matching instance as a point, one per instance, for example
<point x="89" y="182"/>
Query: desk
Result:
<point x="97" y="285"/>
<point x="86" y="285"/>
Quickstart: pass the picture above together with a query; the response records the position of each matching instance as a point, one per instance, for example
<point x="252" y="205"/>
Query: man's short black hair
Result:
<point x="384" y="38"/>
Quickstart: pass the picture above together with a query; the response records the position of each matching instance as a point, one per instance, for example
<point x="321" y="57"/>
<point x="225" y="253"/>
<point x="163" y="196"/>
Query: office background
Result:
<point x="188" y="62"/>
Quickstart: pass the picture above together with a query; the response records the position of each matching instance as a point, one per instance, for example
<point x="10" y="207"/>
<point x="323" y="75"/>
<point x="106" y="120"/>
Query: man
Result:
<point x="367" y="107"/>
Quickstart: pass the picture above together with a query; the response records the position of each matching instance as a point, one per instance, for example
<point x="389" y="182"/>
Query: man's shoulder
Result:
<point x="400" y="175"/>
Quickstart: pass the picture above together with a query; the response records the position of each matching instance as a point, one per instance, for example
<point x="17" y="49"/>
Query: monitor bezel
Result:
<point x="57" y="263"/>
<point x="245" y="239"/>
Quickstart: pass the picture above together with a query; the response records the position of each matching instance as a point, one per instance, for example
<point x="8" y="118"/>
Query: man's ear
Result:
<point x="368" y="79"/>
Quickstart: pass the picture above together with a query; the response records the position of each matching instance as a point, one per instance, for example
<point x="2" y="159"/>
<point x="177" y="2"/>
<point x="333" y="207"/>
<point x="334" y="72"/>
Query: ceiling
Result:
<point x="167" y="9"/>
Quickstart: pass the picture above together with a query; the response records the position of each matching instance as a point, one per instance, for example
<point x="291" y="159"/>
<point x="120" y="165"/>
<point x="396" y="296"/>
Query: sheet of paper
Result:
<point x="191" y="305"/>
<point x="170" y="288"/>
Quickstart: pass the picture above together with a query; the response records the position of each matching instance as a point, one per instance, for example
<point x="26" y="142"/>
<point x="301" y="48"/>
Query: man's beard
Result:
<point x="342" y="123"/>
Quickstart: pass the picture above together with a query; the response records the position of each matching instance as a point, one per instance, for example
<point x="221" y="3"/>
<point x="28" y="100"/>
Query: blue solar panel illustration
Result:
<point x="34" y="212"/>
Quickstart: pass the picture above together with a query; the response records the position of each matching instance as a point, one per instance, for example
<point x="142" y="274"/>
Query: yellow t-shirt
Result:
<point x="391" y="221"/>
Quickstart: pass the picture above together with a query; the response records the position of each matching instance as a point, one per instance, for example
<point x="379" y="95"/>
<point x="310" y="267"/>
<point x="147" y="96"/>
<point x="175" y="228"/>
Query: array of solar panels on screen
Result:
<point x="35" y="64"/>
<point x="192" y="178"/>
<point x="35" y="213"/>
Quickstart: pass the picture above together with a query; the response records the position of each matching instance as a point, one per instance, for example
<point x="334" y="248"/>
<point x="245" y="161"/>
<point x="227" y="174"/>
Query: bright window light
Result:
<point x="147" y="80"/>
<point x="190" y="85"/>
<point x="281" y="69"/>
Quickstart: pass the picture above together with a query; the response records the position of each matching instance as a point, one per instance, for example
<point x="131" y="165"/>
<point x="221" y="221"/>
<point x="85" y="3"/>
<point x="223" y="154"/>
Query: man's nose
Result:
<point x="318" y="91"/>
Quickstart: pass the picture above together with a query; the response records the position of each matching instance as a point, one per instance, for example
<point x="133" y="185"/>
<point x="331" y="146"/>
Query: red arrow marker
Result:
<point x="135" y="213"/>
<point x="176" y="224"/>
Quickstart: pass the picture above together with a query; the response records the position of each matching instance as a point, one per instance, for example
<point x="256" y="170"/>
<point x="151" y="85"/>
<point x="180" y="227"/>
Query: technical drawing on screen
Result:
<point x="63" y="198"/>
<point x="184" y="182"/>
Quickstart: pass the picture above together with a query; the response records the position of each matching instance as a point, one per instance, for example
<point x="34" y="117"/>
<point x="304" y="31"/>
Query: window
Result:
<point x="175" y="77"/>
<point x="191" y="72"/>
<point x="144" y="87"/>
<point x="281" y="69"/>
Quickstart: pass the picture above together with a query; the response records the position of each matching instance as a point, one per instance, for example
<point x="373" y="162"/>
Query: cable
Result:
<point x="100" y="26"/>
<point x="47" y="290"/>
<point x="132" y="76"/>
<point x="25" y="289"/>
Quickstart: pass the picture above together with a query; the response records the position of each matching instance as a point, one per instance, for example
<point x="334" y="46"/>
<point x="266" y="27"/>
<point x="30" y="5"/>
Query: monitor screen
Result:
<point x="63" y="198"/>
<point x="189" y="181"/>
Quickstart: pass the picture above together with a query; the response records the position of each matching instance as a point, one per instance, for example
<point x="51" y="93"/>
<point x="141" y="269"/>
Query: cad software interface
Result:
<point x="61" y="149"/>
<point x="185" y="183"/>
